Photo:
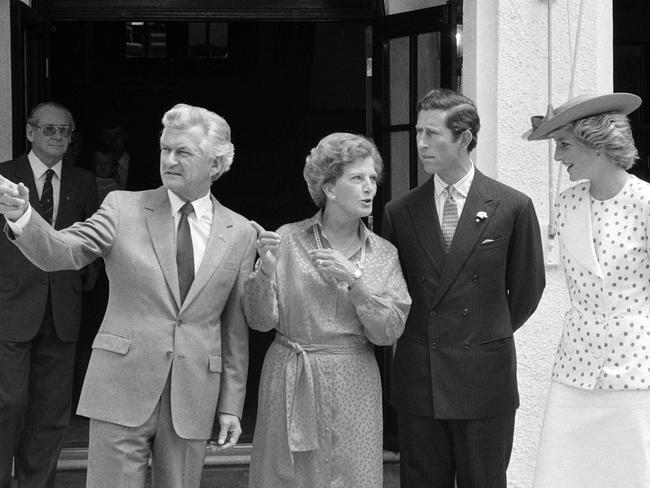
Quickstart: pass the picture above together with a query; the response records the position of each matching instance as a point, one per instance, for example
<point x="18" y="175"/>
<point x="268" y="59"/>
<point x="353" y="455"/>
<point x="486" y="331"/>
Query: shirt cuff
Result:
<point x="18" y="226"/>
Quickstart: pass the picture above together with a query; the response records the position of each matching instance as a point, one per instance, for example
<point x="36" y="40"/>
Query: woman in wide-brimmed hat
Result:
<point x="596" y="430"/>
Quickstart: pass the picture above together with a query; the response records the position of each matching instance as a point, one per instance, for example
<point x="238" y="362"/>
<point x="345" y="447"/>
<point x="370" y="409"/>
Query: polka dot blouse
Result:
<point x="605" y="341"/>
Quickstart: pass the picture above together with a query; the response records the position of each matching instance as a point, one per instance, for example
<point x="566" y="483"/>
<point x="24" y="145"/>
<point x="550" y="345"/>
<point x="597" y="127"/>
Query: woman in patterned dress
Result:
<point x="596" y="430"/>
<point x="331" y="288"/>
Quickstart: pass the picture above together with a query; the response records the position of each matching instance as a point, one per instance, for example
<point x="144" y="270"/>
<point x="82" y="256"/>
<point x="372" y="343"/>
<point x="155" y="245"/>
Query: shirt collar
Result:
<point x="202" y="206"/>
<point x="39" y="168"/>
<point x="317" y="220"/>
<point x="461" y="186"/>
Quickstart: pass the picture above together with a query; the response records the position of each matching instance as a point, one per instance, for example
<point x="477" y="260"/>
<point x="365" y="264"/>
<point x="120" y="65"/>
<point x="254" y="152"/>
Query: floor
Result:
<point x="217" y="477"/>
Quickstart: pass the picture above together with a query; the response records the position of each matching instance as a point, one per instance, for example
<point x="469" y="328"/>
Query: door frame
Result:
<point x="441" y="19"/>
<point x="30" y="82"/>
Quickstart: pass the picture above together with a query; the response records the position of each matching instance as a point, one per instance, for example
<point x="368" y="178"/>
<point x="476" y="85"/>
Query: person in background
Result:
<point x="331" y="289"/>
<point x="596" y="430"/>
<point x="472" y="255"/>
<point x="104" y="165"/>
<point x="172" y="350"/>
<point x="114" y="136"/>
<point x="40" y="310"/>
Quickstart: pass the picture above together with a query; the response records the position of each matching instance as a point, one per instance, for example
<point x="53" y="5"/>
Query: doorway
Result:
<point x="280" y="86"/>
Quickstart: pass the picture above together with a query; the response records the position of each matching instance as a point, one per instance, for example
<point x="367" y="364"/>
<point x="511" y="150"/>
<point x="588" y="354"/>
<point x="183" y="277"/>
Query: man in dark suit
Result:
<point x="471" y="251"/>
<point x="39" y="311"/>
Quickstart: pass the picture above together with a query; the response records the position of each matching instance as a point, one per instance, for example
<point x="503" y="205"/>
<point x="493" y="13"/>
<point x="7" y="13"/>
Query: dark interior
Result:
<point x="280" y="86"/>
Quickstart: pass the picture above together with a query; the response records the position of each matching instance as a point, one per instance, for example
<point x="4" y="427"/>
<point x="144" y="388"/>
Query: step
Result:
<point x="72" y="459"/>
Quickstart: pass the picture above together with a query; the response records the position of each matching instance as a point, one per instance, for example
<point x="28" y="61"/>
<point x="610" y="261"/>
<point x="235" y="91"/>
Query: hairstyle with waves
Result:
<point x="216" y="145"/>
<point x="461" y="111"/>
<point x="610" y="133"/>
<point x="326" y="162"/>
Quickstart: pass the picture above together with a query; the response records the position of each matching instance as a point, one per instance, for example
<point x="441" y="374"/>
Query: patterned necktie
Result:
<point x="47" y="197"/>
<point x="184" y="252"/>
<point x="449" y="217"/>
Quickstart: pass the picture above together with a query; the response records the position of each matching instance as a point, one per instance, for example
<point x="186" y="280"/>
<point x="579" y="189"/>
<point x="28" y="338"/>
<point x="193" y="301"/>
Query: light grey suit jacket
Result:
<point x="147" y="334"/>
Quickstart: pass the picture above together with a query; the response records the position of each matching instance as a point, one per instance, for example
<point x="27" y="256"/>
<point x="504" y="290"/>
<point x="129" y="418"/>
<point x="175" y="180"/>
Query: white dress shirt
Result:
<point x="39" y="169"/>
<point x="200" y="223"/>
<point x="461" y="189"/>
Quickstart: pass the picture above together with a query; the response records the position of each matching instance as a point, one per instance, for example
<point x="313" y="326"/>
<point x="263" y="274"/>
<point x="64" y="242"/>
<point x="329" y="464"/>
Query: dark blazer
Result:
<point x="23" y="286"/>
<point x="456" y="358"/>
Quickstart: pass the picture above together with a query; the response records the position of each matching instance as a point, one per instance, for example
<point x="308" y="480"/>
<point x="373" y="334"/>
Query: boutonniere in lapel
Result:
<point x="481" y="216"/>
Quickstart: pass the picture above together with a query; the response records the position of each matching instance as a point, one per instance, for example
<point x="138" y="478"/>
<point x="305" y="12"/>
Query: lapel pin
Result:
<point x="481" y="216"/>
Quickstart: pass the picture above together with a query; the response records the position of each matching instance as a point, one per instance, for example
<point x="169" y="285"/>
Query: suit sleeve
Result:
<point x="525" y="274"/>
<point x="234" y="336"/>
<point x="73" y="247"/>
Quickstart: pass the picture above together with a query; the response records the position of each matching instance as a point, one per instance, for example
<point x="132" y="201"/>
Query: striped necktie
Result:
<point x="47" y="197"/>
<point x="449" y="217"/>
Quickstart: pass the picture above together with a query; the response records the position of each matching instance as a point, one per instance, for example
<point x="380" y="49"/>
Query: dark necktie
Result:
<point x="47" y="197"/>
<point x="184" y="252"/>
<point x="449" y="217"/>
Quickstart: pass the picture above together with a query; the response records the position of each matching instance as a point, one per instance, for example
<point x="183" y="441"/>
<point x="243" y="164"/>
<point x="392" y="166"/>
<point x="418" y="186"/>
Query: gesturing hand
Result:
<point x="14" y="199"/>
<point x="333" y="264"/>
<point x="268" y="247"/>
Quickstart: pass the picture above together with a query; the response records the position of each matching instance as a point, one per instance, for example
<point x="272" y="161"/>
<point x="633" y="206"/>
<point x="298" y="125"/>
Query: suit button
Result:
<point x="465" y="312"/>
<point x="434" y="345"/>
<point x="433" y="313"/>
<point x="475" y="278"/>
<point x="170" y="354"/>
<point x="422" y="279"/>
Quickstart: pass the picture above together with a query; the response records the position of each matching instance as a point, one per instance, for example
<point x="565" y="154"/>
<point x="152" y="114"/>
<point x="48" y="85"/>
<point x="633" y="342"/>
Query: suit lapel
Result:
<point x="579" y="235"/>
<point x="66" y="194"/>
<point x="160" y="225"/>
<point x="214" y="250"/>
<point x="425" y="220"/>
<point x="468" y="233"/>
<point x="25" y="176"/>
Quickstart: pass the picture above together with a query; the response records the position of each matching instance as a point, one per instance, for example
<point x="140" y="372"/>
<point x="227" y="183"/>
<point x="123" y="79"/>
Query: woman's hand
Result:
<point x="333" y="264"/>
<point x="268" y="247"/>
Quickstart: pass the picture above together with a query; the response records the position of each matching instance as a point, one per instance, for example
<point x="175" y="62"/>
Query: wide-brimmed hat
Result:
<point x="579" y="108"/>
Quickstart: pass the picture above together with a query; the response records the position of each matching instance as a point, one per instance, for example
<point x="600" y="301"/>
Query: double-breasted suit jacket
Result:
<point x="147" y="333"/>
<point x="605" y="251"/>
<point x="24" y="288"/>
<point x="456" y="358"/>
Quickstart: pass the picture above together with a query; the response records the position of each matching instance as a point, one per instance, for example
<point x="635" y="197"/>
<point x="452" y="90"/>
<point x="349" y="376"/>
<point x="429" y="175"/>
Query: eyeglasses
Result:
<point x="50" y="130"/>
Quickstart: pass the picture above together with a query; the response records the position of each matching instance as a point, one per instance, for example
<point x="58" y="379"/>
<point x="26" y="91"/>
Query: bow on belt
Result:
<point x="302" y="429"/>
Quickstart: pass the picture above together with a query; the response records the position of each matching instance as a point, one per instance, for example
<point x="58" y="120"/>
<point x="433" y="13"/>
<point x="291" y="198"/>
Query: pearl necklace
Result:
<point x="362" y="258"/>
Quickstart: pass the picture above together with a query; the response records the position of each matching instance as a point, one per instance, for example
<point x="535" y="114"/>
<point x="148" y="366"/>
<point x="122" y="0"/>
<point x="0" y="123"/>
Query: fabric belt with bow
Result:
<point x="302" y="428"/>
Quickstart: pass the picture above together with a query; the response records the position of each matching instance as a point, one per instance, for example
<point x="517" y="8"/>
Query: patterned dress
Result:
<point x="319" y="420"/>
<point x="596" y="431"/>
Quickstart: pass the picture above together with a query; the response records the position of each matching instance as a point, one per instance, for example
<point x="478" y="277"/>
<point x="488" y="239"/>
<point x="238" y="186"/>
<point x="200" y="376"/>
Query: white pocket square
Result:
<point x="486" y="241"/>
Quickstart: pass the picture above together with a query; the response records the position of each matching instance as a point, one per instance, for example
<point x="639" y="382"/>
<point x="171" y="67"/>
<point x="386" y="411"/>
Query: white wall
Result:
<point x="505" y="72"/>
<point x="5" y="81"/>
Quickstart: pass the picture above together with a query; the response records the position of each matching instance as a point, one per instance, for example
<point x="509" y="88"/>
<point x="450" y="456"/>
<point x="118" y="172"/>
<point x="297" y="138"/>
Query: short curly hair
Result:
<point x="610" y="133"/>
<point x="216" y="144"/>
<point x="326" y="162"/>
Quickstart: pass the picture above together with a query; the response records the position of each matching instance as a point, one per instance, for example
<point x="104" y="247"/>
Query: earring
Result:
<point x="597" y="153"/>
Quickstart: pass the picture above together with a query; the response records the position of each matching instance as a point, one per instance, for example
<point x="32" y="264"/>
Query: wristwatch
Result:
<point x="355" y="276"/>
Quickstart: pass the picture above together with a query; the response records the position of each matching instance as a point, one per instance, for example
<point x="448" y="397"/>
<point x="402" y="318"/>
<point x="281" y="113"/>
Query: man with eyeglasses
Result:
<point x="40" y="311"/>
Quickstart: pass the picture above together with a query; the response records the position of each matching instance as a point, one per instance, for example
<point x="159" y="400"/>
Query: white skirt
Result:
<point x="594" y="439"/>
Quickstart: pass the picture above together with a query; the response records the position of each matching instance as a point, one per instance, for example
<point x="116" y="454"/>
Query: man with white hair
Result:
<point x="173" y="347"/>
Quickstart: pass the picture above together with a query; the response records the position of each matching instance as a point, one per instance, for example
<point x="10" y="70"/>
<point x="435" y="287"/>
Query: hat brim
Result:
<point x="581" y="107"/>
